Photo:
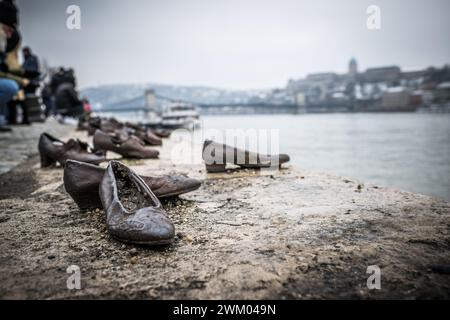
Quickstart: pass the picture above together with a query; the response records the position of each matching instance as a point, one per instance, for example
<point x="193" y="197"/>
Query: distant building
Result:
<point x="376" y="89"/>
<point x="384" y="74"/>
<point x="413" y="75"/>
<point x="300" y="99"/>
<point x="327" y="77"/>
<point x="396" y="98"/>
<point x="443" y="93"/>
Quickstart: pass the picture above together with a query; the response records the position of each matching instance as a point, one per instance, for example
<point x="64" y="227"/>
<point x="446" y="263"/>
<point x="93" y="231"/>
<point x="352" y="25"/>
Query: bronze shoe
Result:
<point x="111" y="125"/>
<point x="158" y="132"/>
<point x="135" y="126"/>
<point x="133" y="213"/>
<point x="162" y="133"/>
<point x="130" y="148"/>
<point x="217" y="155"/>
<point x="53" y="150"/>
<point x="123" y="134"/>
<point x="93" y="124"/>
<point x="144" y="134"/>
<point x="148" y="137"/>
<point x="82" y="180"/>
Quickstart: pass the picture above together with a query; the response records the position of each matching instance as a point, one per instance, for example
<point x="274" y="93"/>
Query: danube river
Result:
<point x="409" y="151"/>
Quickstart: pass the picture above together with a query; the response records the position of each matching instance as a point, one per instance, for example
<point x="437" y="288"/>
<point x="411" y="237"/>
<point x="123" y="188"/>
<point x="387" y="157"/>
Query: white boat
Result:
<point x="179" y="115"/>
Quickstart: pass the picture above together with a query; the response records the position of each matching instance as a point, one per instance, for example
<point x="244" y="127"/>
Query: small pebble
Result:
<point x="133" y="260"/>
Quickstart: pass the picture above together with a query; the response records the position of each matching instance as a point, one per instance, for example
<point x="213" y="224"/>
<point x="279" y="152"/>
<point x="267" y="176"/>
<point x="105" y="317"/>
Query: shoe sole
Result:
<point x="145" y="243"/>
<point x="177" y="193"/>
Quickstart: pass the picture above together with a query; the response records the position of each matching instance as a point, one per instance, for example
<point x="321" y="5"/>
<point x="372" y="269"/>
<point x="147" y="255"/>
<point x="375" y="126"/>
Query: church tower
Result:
<point x="353" y="68"/>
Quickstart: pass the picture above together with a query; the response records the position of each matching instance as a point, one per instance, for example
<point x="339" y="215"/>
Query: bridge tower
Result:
<point x="150" y="99"/>
<point x="151" y="112"/>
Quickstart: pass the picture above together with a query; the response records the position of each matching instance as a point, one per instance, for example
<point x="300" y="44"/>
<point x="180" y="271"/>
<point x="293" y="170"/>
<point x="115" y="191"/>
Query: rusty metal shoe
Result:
<point x="130" y="148"/>
<point x="53" y="150"/>
<point x="217" y="155"/>
<point x="82" y="180"/>
<point x="133" y="213"/>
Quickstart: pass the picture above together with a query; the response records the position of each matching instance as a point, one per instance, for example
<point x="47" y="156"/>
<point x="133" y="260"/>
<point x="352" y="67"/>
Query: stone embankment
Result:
<point x="287" y="234"/>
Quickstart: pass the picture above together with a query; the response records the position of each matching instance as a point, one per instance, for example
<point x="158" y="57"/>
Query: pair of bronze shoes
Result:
<point x="125" y="130"/>
<point x="53" y="150"/>
<point x="150" y="137"/>
<point x="217" y="155"/>
<point x="134" y="213"/>
<point x="123" y="144"/>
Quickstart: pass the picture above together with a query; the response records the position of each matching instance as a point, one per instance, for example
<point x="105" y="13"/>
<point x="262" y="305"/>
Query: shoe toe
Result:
<point x="99" y="159"/>
<point x="151" y="154"/>
<point x="147" y="227"/>
<point x="283" y="158"/>
<point x="183" y="184"/>
<point x="192" y="184"/>
<point x="159" y="229"/>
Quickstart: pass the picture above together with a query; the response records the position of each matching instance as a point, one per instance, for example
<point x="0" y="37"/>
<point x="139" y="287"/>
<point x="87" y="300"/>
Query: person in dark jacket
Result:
<point x="31" y="62"/>
<point x="30" y="68"/>
<point x="67" y="102"/>
<point x="57" y="79"/>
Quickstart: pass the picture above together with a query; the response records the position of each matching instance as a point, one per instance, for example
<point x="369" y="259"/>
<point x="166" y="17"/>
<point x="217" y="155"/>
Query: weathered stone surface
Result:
<point x="21" y="143"/>
<point x="285" y="234"/>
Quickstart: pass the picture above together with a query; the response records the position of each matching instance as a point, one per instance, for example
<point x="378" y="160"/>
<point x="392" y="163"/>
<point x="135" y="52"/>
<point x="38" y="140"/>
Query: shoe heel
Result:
<point x="86" y="200"/>
<point x="215" y="167"/>
<point x="46" y="161"/>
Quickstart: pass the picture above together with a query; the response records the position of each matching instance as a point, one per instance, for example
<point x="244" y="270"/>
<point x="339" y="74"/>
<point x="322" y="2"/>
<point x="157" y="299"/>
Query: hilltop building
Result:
<point x="375" y="89"/>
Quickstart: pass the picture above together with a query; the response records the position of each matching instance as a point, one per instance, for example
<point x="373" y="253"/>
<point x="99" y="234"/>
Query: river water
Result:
<point x="409" y="151"/>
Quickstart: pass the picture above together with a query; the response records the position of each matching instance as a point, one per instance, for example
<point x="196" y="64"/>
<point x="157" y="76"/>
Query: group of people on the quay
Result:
<point x="24" y="86"/>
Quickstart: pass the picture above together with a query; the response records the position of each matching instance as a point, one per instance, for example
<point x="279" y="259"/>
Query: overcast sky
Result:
<point x="239" y="44"/>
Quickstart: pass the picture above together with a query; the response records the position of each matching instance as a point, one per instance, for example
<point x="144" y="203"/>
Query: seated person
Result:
<point x="9" y="83"/>
<point x="30" y="67"/>
<point x="67" y="102"/>
<point x="31" y="62"/>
